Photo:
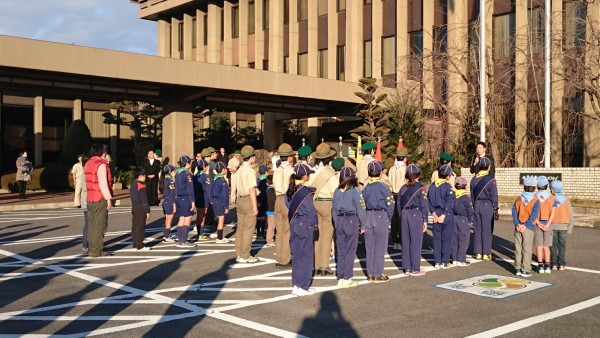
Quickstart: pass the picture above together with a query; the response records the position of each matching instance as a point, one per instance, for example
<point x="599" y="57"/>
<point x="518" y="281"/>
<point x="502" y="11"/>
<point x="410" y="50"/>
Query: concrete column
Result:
<point x="178" y="132"/>
<point x="233" y="120"/>
<point x="187" y="36"/>
<point x="591" y="136"/>
<point x="457" y="51"/>
<point x="227" y="34"/>
<point x="114" y="135"/>
<point x="38" y="112"/>
<point x="521" y="66"/>
<point x="376" y="32"/>
<point x="206" y="122"/>
<point x="332" y="34"/>
<point x="273" y="133"/>
<point x="200" y="48"/>
<point x="243" y="50"/>
<point x="276" y="36"/>
<point x="313" y="132"/>
<point x="294" y="36"/>
<point x="354" y="40"/>
<point x="313" y="31"/>
<point x="175" y="39"/>
<point x="259" y="35"/>
<point x="164" y="38"/>
<point x="214" y="34"/>
<point x="258" y="121"/>
<point x="402" y="40"/>
<point x="428" y="83"/>
<point x="557" y="87"/>
<point x="77" y="109"/>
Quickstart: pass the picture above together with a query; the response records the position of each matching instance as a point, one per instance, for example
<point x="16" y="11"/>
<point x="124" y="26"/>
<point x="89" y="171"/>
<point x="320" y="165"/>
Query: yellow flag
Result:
<point x="359" y="150"/>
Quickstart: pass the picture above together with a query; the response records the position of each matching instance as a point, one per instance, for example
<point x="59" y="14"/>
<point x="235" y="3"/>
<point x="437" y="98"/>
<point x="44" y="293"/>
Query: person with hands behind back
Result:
<point x="441" y="205"/>
<point x="463" y="219"/>
<point x="185" y="202"/>
<point x="524" y="213"/>
<point x="543" y="234"/>
<point x="140" y="209"/>
<point x="484" y="195"/>
<point x="219" y="199"/>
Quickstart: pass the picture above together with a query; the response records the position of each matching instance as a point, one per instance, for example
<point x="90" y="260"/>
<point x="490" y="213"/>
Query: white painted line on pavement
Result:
<point x="254" y="325"/>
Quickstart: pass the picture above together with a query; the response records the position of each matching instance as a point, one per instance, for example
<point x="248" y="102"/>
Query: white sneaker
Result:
<point x="438" y="266"/>
<point x="301" y="292"/>
<point x="466" y="263"/>
<point x="241" y="260"/>
<point x="455" y="263"/>
<point x="222" y="241"/>
<point x="168" y="240"/>
<point x="146" y="248"/>
<point x="252" y="259"/>
<point x="213" y="236"/>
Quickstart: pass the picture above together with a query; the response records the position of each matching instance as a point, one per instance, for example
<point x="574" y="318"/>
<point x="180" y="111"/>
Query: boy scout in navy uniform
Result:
<point x="484" y="195"/>
<point x="325" y="184"/>
<point x="362" y="167"/>
<point x="441" y="206"/>
<point x="140" y="209"/>
<point x="245" y="191"/>
<point x="463" y="219"/>
<point x="397" y="178"/>
<point x="281" y="182"/>
<point x="445" y="158"/>
<point x="379" y="203"/>
<point x="219" y="199"/>
<point x="185" y="202"/>
<point x="202" y="193"/>
<point x="168" y="203"/>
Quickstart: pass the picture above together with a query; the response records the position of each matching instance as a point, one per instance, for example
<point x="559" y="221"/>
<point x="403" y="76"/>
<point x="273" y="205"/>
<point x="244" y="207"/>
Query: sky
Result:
<point x="107" y="24"/>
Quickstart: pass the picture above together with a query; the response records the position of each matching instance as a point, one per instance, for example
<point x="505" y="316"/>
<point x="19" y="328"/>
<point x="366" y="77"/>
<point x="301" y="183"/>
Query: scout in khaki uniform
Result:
<point x="445" y="158"/>
<point x="325" y="183"/>
<point x="397" y="179"/>
<point x="281" y="182"/>
<point x="362" y="166"/>
<point x="244" y="188"/>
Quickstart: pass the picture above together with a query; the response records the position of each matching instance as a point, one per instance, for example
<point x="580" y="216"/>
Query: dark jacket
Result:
<point x="475" y="168"/>
<point x="139" y="196"/>
<point x="153" y="169"/>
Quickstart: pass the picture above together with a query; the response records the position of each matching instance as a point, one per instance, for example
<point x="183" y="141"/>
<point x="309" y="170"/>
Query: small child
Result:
<point x="185" y="202"/>
<point x="412" y="207"/>
<point x="270" y="213"/>
<point x="140" y="209"/>
<point x="202" y="191"/>
<point x="463" y="218"/>
<point x="524" y="213"/>
<point x="379" y="203"/>
<point x="441" y="205"/>
<point x="350" y="215"/>
<point x="302" y="216"/>
<point x="543" y="233"/>
<point x="261" y="218"/>
<point x="561" y="226"/>
<point x="219" y="199"/>
<point x="168" y="203"/>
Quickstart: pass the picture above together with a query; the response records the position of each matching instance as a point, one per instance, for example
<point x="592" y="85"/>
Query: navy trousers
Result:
<point x="460" y="244"/>
<point x="302" y="248"/>
<point x="346" y="239"/>
<point x="482" y="237"/>
<point x="412" y="239"/>
<point x="443" y="234"/>
<point x="376" y="240"/>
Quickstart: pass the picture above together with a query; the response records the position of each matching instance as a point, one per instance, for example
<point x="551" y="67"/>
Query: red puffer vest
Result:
<point x="94" y="194"/>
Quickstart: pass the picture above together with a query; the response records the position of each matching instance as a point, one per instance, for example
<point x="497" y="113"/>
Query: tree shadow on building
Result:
<point x="329" y="321"/>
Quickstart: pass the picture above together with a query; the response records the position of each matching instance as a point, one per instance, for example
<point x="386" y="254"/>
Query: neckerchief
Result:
<point x="560" y="198"/>
<point x="481" y="173"/>
<point x="167" y="176"/>
<point x="399" y="164"/>
<point x="460" y="193"/>
<point x="284" y="165"/>
<point x="262" y="177"/>
<point x="374" y="179"/>
<point x="217" y="176"/>
<point x="299" y="183"/>
<point x="439" y="181"/>
<point x="526" y="197"/>
<point x="543" y="194"/>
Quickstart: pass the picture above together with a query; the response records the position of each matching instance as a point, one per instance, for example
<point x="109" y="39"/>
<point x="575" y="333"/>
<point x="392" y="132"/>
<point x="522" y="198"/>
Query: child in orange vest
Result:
<point x="562" y="225"/>
<point x="543" y="233"/>
<point x="524" y="213"/>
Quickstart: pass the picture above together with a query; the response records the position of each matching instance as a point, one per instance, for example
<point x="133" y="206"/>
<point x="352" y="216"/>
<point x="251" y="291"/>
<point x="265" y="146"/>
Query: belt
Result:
<point x="323" y="199"/>
<point x="347" y="214"/>
<point x="376" y="210"/>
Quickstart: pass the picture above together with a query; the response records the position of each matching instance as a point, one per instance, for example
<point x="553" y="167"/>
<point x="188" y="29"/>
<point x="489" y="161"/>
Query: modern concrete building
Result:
<point x="271" y="60"/>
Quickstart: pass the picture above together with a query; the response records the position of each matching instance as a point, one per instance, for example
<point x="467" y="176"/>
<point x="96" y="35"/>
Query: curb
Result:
<point x="39" y="206"/>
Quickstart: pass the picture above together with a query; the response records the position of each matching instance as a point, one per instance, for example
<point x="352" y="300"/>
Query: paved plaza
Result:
<point x="48" y="286"/>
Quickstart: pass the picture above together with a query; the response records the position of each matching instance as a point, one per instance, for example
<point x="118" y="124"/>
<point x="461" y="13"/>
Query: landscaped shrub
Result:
<point x="51" y="177"/>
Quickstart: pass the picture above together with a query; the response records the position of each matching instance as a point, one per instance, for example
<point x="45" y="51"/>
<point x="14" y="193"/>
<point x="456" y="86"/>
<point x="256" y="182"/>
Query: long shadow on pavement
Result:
<point x="329" y="321"/>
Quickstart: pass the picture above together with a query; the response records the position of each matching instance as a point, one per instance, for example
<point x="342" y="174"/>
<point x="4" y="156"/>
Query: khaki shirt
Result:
<point x="397" y="178"/>
<point x="281" y="179"/>
<point x="363" y="170"/>
<point x="233" y="187"/>
<point x="246" y="180"/>
<point x="329" y="188"/>
<point x="77" y="170"/>
<point x="435" y="176"/>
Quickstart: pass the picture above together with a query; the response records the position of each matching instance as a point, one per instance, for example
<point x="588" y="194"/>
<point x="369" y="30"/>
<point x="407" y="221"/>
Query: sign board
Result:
<point x="551" y="176"/>
<point x="494" y="286"/>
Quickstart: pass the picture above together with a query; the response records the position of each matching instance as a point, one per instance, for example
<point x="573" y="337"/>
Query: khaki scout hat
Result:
<point x="285" y="150"/>
<point x="323" y="151"/>
<point x="247" y="151"/>
<point x="403" y="152"/>
<point x="205" y="152"/>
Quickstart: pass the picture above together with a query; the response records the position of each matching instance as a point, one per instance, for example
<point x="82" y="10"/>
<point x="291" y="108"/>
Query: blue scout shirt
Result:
<point x="462" y="205"/>
<point x="305" y="218"/>
<point x="184" y="185"/>
<point x="219" y="195"/>
<point x="412" y="198"/>
<point x="441" y="198"/>
<point x="378" y="197"/>
<point x="348" y="202"/>
<point x="483" y="188"/>
<point x="202" y="186"/>
<point x="139" y="196"/>
<point x="169" y="189"/>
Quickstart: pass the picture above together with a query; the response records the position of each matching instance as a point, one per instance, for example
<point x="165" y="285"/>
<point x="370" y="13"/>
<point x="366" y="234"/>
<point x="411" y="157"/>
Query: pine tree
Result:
<point x="374" y="115"/>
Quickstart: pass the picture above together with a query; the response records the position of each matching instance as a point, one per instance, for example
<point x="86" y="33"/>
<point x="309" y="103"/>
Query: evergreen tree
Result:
<point x="373" y="114"/>
<point x="77" y="141"/>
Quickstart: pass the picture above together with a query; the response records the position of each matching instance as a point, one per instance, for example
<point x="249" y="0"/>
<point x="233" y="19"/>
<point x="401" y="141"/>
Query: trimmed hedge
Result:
<point x="51" y="177"/>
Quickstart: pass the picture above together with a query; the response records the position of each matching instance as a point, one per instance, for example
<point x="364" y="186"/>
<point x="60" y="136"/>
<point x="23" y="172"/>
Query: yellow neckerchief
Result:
<point x="298" y="182"/>
<point x="460" y="193"/>
<point x="342" y="190"/>
<point x="439" y="181"/>
<point x="481" y="173"/>
<point x="374" y="179"/>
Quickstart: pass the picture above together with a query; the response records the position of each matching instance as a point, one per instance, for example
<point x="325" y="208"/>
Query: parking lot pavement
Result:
<point x="50" y="287"/>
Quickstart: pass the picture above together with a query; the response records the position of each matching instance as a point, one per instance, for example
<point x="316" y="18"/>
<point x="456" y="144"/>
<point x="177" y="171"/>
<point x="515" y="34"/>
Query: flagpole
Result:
<point x="547" y="93"/>
<point x="482" y="70"/>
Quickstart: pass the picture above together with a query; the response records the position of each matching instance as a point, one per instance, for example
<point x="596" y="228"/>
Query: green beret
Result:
<point x="158" y="152"/>
<point x="238" y="151"/>
<point x="304" y="151"/>
<point x="337" y="164"/>
<point x="446" y="157"/>
<point x="368" y="146"/>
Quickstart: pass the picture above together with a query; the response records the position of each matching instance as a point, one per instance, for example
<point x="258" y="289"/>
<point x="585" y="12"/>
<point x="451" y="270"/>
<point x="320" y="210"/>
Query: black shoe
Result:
<point x="318" y="272"/>
<point x="283" y="266"/>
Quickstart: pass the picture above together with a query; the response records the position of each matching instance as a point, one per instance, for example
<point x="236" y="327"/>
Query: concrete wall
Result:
<point x="582" y="183"/>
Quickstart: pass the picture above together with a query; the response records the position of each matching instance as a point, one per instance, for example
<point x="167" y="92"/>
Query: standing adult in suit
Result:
<point x="480" y="153"/>
<point x="152" y="167"/>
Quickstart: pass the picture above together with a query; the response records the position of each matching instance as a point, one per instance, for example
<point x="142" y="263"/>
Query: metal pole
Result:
<point x="482" y="70"/>
<point x="547" y="93"/>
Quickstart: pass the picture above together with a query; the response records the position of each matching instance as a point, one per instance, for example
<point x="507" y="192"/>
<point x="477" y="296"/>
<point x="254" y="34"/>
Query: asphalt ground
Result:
<point x="48" y="286"/>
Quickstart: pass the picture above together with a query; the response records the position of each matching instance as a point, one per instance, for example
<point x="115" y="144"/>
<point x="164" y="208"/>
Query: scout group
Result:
<point x="302" y="204"/>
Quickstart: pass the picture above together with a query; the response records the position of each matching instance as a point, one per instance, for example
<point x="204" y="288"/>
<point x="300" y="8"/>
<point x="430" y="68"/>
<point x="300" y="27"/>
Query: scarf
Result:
<point x="373" y="179"/>
<point x="439" y="181"/>
<point x="284" y="165"/>
<point x="481" y="173"/>
<point x="262" y="177"/>
<point x="168" y="176"/>
<point x="526" y="197"/>
<point x="217" y="176"/>
<point x="560" y="198"/>
<point x="399" y="164"/>
<point x="299" y="183"/>
<point x="543" y="194"/>
<point x="460" y="193"/>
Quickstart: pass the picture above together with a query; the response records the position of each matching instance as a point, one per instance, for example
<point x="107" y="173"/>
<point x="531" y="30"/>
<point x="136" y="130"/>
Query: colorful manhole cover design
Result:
<point x="494" y="286"/>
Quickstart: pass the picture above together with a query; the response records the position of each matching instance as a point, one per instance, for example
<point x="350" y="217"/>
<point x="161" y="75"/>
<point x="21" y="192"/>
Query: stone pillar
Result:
<point x="259" y="35"/>
<point x="258" y="121"/>
<point x="200" y="48"/>
<point x="214" y="34"/>
<point x="332" y="38"/>
<point x="114" y="135"/>
<point x="233" y="120"/>
<point x="557" y="87"/>
<point x="402" y="40"/>
<point x="175" y="39"/>
<point x="243" y="40"/>
<point x="164" y="38"/>
<point x="354" y="40"/>
<point x="38" y="112"/>
<point x="376" y="33"/>
<point x="273" y="133"/>
<point x="313" y="132"/>
<point x="178" y="132"/>
<point x="77" y="109"/>
<point x="276" y="36"/>
<point x="428" y="74"/>
<point x="313" y="31"/>
<point x="188" y="36"/>
<point x="521" y="66"/>
<point x="227" y="34"/>
<point x="294" y="37"/>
